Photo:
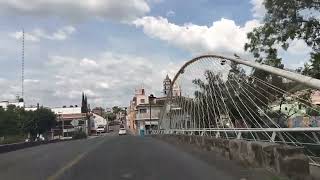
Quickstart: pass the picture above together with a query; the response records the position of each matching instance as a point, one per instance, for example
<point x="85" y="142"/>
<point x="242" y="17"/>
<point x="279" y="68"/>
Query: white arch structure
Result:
<point x="272" y="134"/>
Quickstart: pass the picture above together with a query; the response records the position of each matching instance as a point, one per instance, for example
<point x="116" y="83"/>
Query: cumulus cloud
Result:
<point x="107" y="79"/>
<point x="258" y="9"/>
<point x="170" y="13"/>
<point x="222" y="36"/>
<point x="77" y="10"/>
<point x="299" y="47"/>
<point x="9" y="89"/>
<point x="30" y="81"/>
<point x="37" y="34"/>
<point x="88" y="63"/>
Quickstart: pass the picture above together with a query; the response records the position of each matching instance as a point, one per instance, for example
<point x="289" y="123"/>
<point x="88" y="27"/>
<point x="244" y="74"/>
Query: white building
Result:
<point x="166" y="85"/>
<point x="66" y="110"/>
<point x="5" y="104"/>
<point x="143" y="119"/>
<point x="97" y="121"/>
<point x="65" y="117"/>
<point x="141" y="97"/>
<point x="30" y="108"/>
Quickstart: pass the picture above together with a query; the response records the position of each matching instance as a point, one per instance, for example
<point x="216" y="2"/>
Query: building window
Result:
<point x="285" y="108"/>
<point x="300" y="106"/>
<point x="141" y="100"/>
<point x="142" y="111"/>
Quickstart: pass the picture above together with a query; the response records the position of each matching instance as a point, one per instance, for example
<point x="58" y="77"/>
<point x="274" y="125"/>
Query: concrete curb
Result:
<point x="16" y="146"/>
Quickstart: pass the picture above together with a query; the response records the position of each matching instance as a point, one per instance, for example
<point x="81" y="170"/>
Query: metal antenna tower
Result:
<point x="22" y="66"/>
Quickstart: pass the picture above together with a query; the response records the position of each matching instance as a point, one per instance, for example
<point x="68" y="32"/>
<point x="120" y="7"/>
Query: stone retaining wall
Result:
<point x="281" y="159"/>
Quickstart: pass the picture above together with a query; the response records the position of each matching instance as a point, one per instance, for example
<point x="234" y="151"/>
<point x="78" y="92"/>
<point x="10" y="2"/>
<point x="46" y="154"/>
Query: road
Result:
<point x="109" y="157"/>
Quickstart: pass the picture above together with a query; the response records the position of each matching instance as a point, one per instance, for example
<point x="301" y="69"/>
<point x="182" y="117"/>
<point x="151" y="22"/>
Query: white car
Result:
<point x="122" y="131"/>
<point x="101" y="129"/>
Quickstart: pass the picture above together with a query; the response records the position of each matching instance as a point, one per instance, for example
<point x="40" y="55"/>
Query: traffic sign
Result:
<point x="75" y="122"/>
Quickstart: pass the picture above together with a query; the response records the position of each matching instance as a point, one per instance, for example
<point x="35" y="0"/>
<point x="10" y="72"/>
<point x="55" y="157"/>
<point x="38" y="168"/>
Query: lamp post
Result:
<point x="151" y="98"/>
<point x="62" y="123"/>
<point x="125" y="116"/>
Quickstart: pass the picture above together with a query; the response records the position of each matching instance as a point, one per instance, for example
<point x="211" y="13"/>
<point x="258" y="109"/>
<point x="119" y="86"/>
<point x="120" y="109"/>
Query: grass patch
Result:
<point x="279" y="178"/>
<point x="12" y="139"/>
<point x="79" y="135"/>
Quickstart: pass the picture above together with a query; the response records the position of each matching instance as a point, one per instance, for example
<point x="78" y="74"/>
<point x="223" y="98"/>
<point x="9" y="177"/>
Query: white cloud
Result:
<point x="258" y="9"/>
<point x="30" y="81"/>
<point x="104" y="85"/>
<point x="88" y="63"/>
<point x="107" y="79"/>
<point x="62" y="34"/>
<point x="155" y="1"/>
<point x="77" y="10"/>
<point x="28" y="37"/>
<point x="223" y="36"/>
<point x="299" y="47"/>
<point x="37" y="34"/>
<point x="170" y="13"/>
<point x="310" y="13"/>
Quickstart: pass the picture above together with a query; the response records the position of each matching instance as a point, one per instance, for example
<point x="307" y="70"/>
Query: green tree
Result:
<point x="9" y="121"/>
<point x="313" y="67"/>
<point x="284" y="21"/>
<point x="15" y="121"/>
<point x="217" y="99"/>
<point x="116" y="109"/>
<point x="111" y="116"/>
<point x="39" y="121"/>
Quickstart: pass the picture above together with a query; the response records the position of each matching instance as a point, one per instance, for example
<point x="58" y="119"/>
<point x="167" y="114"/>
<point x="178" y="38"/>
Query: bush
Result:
<point x="13" y="139"/>
<point x="79" y="135"/>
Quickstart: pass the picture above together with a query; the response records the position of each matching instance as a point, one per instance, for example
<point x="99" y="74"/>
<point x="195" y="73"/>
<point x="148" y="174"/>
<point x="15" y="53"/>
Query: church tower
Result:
<point x="166" y="85"/>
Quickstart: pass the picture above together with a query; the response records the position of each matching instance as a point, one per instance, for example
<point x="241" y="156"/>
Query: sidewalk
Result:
<point x="315" y="172"/>
<point x="132" y="132"/>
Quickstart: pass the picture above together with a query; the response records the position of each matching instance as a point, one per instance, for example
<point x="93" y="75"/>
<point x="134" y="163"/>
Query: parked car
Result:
<point x="122" y="131"/>
<point x="101" y="129"/>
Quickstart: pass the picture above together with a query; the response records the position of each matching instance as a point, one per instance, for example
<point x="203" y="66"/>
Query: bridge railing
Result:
<point x="234" y="98"/>
<point x="277" y="136"/>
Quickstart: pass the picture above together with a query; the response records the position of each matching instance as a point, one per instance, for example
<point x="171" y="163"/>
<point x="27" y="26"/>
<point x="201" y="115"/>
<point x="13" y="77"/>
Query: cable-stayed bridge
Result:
<point x="233" y="98"/>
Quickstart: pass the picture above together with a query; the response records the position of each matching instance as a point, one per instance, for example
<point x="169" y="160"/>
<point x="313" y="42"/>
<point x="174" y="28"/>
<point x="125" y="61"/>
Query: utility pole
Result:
<point x="62" y="123"/>
<point x="22" y="67"/>
<point x="151" y="98"/>
<point x="62" y="128"/>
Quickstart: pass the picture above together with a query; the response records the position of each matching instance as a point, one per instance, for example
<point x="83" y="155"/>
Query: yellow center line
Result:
<point x="74" y="161"/>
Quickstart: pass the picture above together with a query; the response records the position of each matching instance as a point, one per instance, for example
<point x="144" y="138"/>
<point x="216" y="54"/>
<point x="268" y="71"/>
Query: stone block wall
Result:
<point x="281" y="159"/>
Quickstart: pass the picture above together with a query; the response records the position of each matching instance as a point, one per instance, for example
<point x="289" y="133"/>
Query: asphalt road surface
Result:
<point x="109" y="157"/>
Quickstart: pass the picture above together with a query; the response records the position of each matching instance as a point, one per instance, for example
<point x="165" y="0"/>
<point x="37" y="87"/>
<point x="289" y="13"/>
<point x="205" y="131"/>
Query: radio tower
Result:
<point x="22" y="66"/>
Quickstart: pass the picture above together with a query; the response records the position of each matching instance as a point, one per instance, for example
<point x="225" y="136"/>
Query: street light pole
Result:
<point x="62" y="123"/>
<point x="150" y="115"/>
<point x="125" y="116"/>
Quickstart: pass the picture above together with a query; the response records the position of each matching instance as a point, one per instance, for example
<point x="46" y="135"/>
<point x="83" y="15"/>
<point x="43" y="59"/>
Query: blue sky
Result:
<point x="107" y="48"/>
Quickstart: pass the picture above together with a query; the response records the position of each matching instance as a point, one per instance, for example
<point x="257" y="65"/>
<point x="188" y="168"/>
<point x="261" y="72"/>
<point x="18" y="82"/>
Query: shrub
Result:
<point x="79" y="135"/>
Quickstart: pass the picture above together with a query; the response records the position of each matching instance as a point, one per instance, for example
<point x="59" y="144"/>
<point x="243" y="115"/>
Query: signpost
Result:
<point x="75" y="122"/>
